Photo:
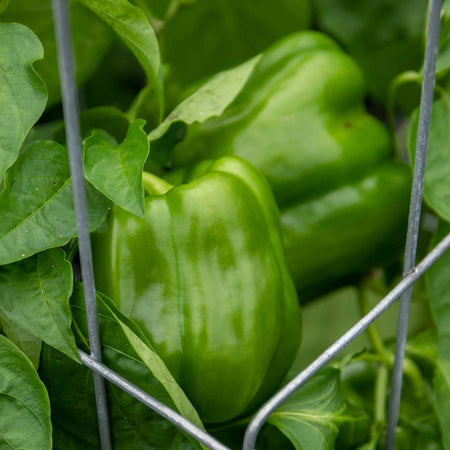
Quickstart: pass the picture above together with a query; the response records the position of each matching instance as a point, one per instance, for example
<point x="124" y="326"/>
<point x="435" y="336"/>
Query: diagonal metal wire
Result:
<point x="411" y="274"/>
<point x="426" y="103"/>
<point x="73" y="137"/>
<point x="269" y="407"/>
<point x="152" y="403"/>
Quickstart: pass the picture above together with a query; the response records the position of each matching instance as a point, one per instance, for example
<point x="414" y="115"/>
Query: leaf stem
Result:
<point x="386" y="357"/>
<point x="372" y="332"/>
<point x="399" y="80"/>
<point x="154" y="185"/>
<point x="379" y="411"/>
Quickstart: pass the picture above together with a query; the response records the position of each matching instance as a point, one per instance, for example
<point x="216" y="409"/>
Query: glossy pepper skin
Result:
<point x="300" y="120"/>
<point x="205" y="275"/>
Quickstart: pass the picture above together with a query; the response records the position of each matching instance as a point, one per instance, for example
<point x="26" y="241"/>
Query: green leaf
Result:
<point x="24" y="405"/>
<point x="90" y="37"/>
<point x="382" y="51"/>
<point x="71" y="391"/>
<point x="443" y="57"/>
<point x="107" y="118"/>
<point x="442" y="393"/>
<point x="436" y="189"/>
<point x="26" y="342"/>
<point x="226" y="34"/>
<point x="132" y="26"/>
<point x="133" y="337"/>
<point x="37" y="203"/>
<point x="372" y="445"/>
<point x="43" y="283"/>
<point x="116" y="170"/>
<point x="309" y="417"/>
<point x="155" y="364"/>
<point x="125" y="350"/>
<point x="158" y="8"/>
<point x="438" y="284"/>
<point x="422" y="348"/>
<point x="22" y="93"/>
<point x="210" y="100"/>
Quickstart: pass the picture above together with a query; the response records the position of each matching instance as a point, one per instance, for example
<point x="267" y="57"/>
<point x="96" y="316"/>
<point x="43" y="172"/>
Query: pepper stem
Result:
<point x="154" y="185"/>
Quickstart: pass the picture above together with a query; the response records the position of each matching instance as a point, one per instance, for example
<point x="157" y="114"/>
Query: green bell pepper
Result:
<point x="300" y="120"/>
<point x="205" y="275"/>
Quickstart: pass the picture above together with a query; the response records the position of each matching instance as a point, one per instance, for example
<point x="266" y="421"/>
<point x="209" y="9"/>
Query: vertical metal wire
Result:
<point x="73" y="137"/>
<point x="64" y="47"/>
<point x="426" y="103"/>
<point x="272" y="404"/>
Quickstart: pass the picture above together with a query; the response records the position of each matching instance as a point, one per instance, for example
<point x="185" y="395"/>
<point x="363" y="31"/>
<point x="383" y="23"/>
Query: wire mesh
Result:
<point x="411" y="273"/>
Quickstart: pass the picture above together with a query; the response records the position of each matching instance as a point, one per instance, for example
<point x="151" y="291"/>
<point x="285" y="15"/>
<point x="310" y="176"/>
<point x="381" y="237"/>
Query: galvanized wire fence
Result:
<point x="411" y="272"/>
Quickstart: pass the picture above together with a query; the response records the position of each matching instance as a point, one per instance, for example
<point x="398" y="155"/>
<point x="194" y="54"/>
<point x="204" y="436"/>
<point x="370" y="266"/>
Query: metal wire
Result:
<point x="426" y="103"/>
<point x="269" y="407"/>
<point x="73" y="137"/>
<point x="163" y="410"/>
<point x="411" y="274"/>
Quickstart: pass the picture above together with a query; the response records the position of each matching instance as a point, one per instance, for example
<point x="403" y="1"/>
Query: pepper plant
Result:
<point x="239" y="169"/>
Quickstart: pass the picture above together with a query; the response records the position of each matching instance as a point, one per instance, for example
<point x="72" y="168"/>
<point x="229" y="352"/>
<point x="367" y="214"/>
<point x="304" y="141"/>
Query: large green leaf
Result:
<point x="24" y="405"/>
<point x="207" y="36"/>
<point x="310" y="417"/>
<point x="132" y="26"/>
<point x="34" y="295"/>
<point x="37" y="204"/>
<point x="22" y="92"/>
<point x="209" y="100"/>
<point x="436" y="189"/>
<point x="125" y="350"/>
<point x="91" y="38"/>
<point x="385" y="36"/>
<point x="116" y="170"/>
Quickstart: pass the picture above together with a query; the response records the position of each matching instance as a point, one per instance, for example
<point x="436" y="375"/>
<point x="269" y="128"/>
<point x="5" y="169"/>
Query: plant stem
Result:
<point x="154" y="185"/>
<point x="386" y="357"/>
<point x="379" y="411"/>
<point x="372" y="332"/>
<point x="399" y="80"/>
